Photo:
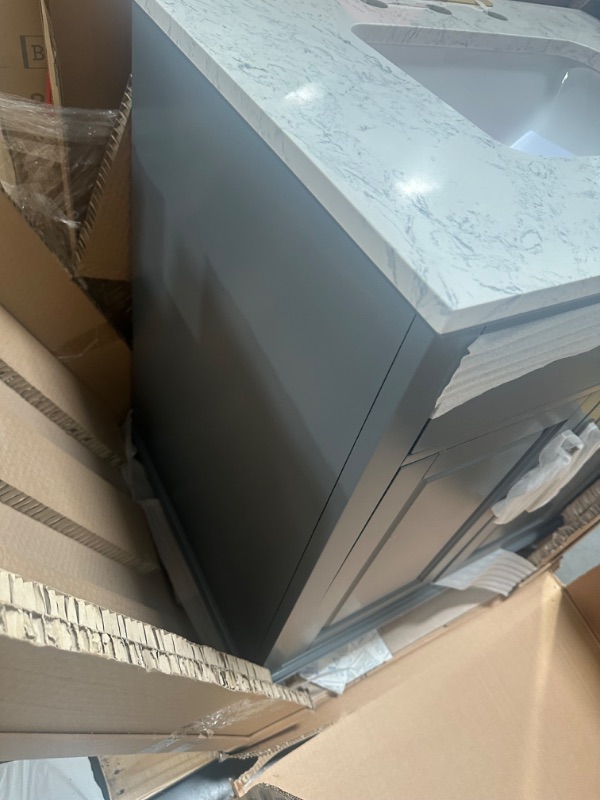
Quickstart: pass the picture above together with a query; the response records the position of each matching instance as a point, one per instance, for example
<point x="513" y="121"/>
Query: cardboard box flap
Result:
<point x="43" y="426"/>
<point x="40" y="480"/>
<point x="92" y="50"/>
<point x="504" y="706"/>
<point x="68" y="666"/>
<point x="38" y="292"/>
<point x="585" y="594"/>
<point x="45" y="383"/>
<point x="23" y="69"/>
<point x="38" y="553"/>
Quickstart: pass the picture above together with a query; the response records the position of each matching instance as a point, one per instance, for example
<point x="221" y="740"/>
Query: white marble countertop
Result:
<point x="467" y="229"/>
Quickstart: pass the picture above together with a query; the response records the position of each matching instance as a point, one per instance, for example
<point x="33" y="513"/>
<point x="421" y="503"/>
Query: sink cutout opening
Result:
<point x="543" y="104"/>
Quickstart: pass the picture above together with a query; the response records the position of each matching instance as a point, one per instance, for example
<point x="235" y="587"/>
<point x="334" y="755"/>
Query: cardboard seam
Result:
<point x="575" y="607"/>
<point x="25" y="504"/>
<point x="56" y="415"/>
<point x="48" y="618"/>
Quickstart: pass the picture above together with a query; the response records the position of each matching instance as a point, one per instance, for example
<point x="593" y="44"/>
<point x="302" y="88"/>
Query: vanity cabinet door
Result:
<point x="429" y="504"/>
<point x="486" y="532"/>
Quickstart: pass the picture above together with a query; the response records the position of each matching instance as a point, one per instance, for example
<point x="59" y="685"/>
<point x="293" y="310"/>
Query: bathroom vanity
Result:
<point x="323" y="226"/>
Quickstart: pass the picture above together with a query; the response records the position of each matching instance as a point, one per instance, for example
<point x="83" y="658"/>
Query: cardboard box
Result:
<point x="78" y="679"/>
<point x="23" y="57"/>
<point x="35" y="287"/>
<point x="505" y="705"/>
<point x="41" y="480"/>
<point x="89" y="42"/>
<point x="32" y="420"/>
<point x="43" y="382"/>
<point x="37" y="290"/>
<point x="89" y="51"/>
<point x="39" y="553"/>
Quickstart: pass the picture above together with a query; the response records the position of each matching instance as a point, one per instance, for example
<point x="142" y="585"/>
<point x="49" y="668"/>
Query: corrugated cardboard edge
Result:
<point x="45" y="383"/>
<point x="32" y="418"/>
<point x="30" y="549"/>
<point x="39" y="293"/>
<point x="62" y="149"/>
<point x="40" y="480"/>
<point x="121" y="663"/>
<point x="103" y="249"/>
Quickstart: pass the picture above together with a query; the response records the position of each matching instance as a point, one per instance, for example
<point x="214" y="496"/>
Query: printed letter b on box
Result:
<point x="34" y="53"/>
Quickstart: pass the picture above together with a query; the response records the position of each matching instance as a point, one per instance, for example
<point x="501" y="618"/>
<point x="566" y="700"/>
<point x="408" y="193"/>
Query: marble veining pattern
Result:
<point x="467" y="229"/>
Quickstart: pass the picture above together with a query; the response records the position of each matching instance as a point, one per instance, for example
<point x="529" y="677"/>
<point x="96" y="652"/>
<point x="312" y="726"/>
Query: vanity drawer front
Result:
<point x="430" y="503"/>
<point x="533" y="395"/>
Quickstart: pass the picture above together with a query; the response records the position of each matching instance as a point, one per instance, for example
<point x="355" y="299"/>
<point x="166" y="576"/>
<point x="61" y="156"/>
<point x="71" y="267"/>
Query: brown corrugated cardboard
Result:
<point x="585" y="594"/>
<point x="40" y="480"/>
<point x="42" y="425"/>
<point x="92" y="71"/>
<point x="91" y="40"/>
<point x="34" y="286"/>
<point x="143" y="777"/>
<point x="38" y="553"/>
<point x="504" y="706"/>
<point x="109" y="209"/>
<point x="103" y="262"/>
<point x="44" y="382"/>
<point x="67" y="666"/>
<point x="23" y="58"/>
<point x="37" y="290"/>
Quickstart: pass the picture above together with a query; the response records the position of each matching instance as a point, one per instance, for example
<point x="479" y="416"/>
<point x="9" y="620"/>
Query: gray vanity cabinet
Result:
<point x="437" y="511"/>
<point x="283" y="392"/>
<point x="430" y="503"/>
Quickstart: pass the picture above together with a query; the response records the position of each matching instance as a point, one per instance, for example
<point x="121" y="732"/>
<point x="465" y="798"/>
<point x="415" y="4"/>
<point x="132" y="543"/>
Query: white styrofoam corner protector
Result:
<point x="499" y="572"/>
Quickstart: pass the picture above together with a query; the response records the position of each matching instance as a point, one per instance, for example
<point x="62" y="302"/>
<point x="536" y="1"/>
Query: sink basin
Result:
<point x="542" y="103"/>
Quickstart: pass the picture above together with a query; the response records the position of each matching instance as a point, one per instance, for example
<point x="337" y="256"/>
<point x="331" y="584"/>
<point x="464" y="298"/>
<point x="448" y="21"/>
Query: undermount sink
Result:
<point x="542" y="103"/>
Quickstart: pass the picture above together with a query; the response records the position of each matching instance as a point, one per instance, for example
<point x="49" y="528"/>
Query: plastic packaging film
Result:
<point x="49" y="162"/>
<point x="210" y="725"/>
<point x="559" y="462"/>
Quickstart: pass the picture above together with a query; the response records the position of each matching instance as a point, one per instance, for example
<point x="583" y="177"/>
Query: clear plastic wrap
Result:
<point x="49" y="162"/>
<point x="559" y="462"/>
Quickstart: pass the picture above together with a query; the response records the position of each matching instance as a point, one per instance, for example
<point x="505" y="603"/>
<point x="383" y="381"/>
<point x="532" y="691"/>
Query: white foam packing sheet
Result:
<point x="497" y="358"/>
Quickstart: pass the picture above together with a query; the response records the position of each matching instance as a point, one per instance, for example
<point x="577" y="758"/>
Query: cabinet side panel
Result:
<point x="262" y="335"/>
